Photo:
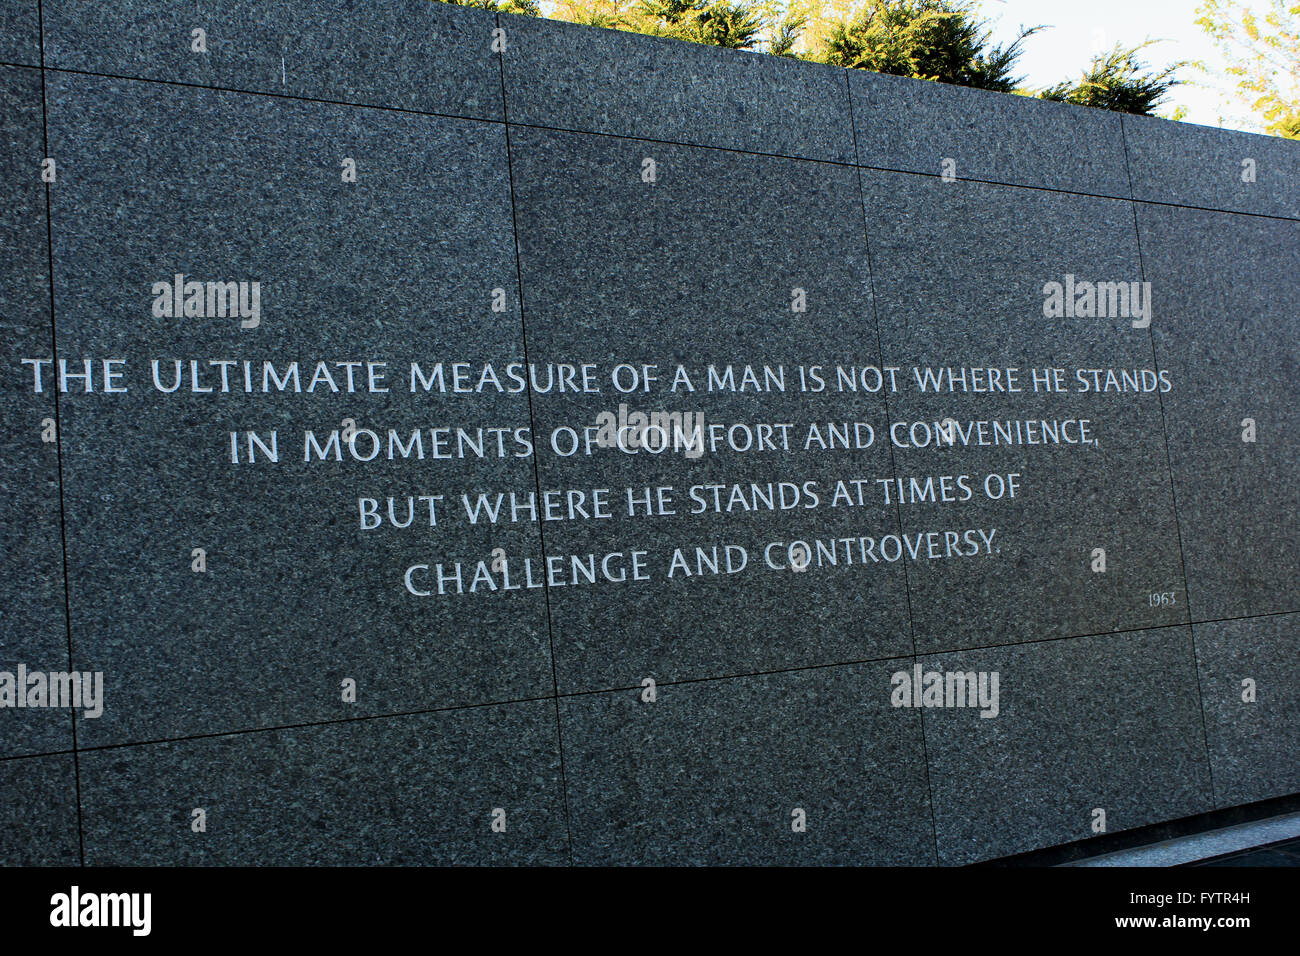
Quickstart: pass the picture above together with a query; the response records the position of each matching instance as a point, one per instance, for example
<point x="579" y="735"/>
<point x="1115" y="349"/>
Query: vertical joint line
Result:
<point x="893" y="465"/>
<point x="58" y="420"/>
<point x="1169" y="464"/>
<point x="532" y="424"/>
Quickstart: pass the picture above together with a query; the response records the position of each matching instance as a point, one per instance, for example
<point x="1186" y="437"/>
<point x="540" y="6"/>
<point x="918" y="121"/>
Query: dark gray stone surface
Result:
<point x="958" y="273"/>
<point x="38" y="815"/>
<point x="409" y="54"/>
<point x="711" y="772"/>
<point x="403" y="791"/>
<point x="399" y="265"/>
<point x="697" y="269"/>
<point x="20" y="32"/>
<point x="224" y="688"/>
<point x="1253" y="746"/>
<point x="1191" y="165"/>
<point x="1231" y="337"/>
<point x="1108" y="722"/>
<point x="911" y="125"/>
<point x="606" y="81"/>
<point x="33" y="624"/>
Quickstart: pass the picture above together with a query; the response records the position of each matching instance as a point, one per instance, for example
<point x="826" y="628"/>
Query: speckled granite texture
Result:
<point x="20" y="32"/>
<point x="1250" y="686"/>
<point x="409" y="181"/>
<point x="33" y="624"/>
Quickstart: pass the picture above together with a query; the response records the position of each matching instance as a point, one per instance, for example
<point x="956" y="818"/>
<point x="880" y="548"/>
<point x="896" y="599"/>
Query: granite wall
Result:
<point x="415" y="606"/>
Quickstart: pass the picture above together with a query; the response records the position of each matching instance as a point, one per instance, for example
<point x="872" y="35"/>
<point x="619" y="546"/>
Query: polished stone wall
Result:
<point x="907" y="466"/>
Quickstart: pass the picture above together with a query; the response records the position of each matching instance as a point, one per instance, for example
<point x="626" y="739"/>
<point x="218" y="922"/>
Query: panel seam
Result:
<point x="532" y="424"/>
<point x="58" y="423"/>
<point x="1169" y="463"/>
<point x="893" y="464"/>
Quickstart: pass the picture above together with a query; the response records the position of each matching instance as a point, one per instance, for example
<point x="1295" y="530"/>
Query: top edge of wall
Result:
<point x="433" y="57"/>
<point x="401" y="54"/>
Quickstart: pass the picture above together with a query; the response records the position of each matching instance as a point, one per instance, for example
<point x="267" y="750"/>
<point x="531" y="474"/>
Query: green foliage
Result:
<point x="941" y="40"/>
<point x="724" y="23"/>
<point x="524" y="8"/>
<point x="1288" y="126"/>
<point x="1262" y="54"/>
<point x="1118" y="81"/>
<point x="786" y="35"/>
<point x="610" y="14"/>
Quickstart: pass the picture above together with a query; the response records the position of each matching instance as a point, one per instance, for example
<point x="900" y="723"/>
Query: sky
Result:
<point x="1081" y="28"/>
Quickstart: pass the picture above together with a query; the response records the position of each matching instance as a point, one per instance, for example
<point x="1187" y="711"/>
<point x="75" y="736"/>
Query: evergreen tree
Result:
<point x="726" y="23"/>
<point x="525" y="8"/>
<point x="941" y="40"/>
<point x="1119" y="81"/>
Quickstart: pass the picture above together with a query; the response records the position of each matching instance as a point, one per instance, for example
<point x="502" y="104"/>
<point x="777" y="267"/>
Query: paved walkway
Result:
<point x="1286" y="853"/>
